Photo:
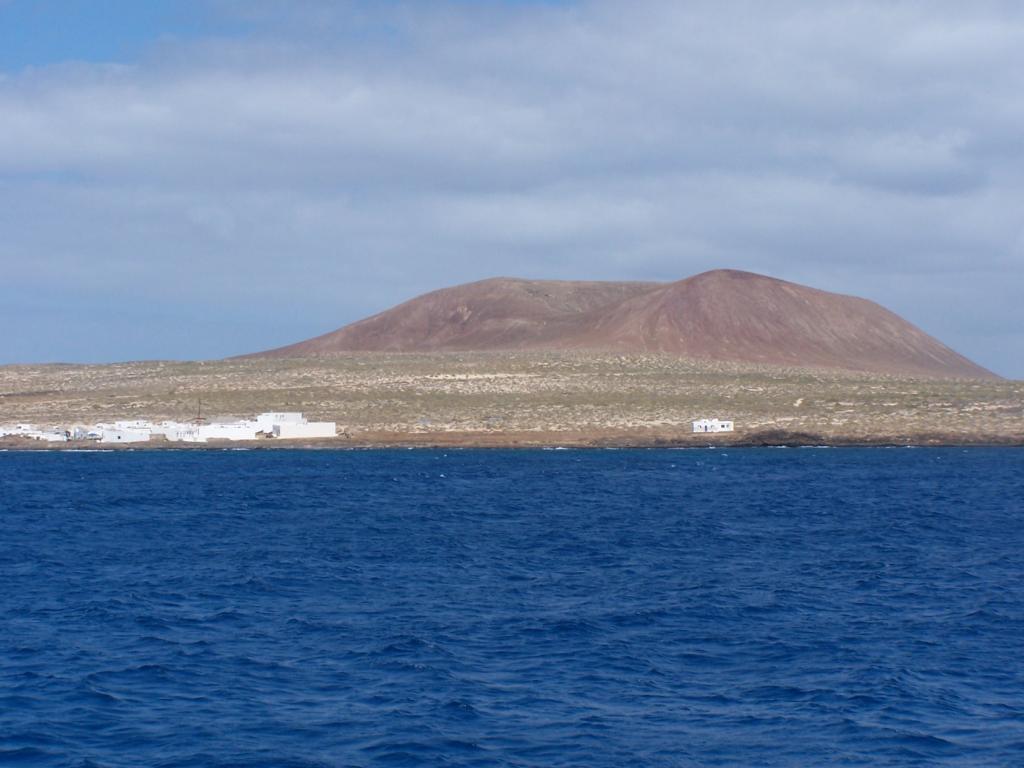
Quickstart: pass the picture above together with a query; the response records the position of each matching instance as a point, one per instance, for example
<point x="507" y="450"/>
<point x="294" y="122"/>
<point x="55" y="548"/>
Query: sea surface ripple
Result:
<point x="493" y="608"/>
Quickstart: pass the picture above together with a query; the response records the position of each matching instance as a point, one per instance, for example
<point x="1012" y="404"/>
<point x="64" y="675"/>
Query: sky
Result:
<point x="191" y="179"/>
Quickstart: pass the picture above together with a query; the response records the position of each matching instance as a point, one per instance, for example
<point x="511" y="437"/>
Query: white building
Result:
<point x="182" y="432"/>
<point x="32" y="432"/>
<point x="267" y="421"/>
<point x="712" y="425"/>
<point x="235" y="430"/>
<point x="307" y="429"/>
<point x="138" y="425"/>
<point x="292" y="425"/>
<point x="282" y="425"/>
<point x="178" y="432"/>
<point x="49" y="436"/>
<point x="189" y="432"/>
<point x="116" y="433"/>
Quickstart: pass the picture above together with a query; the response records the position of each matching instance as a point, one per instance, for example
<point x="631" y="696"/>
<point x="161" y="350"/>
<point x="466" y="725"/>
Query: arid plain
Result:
<point x="529" y="399"/>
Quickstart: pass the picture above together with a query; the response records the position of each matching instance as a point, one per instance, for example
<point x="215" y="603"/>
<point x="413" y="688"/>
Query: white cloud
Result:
<point x="345" y="156"/>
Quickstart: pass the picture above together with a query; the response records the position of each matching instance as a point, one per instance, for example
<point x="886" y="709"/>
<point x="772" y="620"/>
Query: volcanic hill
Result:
<point x="719" y="315"/>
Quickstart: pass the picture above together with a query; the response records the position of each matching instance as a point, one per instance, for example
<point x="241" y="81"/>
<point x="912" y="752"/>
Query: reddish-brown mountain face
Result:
<point x="719" y="315"/>
<point x="500" y="313"/>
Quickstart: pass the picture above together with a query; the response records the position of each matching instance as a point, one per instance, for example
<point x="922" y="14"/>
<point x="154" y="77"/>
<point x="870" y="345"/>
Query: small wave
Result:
<point x="26" y="756"/>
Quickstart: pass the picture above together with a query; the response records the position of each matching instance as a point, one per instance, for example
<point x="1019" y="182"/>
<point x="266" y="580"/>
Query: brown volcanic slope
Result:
<point x="500" y="313"/>
<point x="718" y="315"/>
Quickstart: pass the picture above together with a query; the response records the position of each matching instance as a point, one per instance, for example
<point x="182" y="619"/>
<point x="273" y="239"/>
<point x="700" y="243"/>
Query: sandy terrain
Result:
<point x="533" y="398"/>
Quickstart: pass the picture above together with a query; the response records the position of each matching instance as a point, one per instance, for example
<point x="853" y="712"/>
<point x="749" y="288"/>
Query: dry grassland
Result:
<point x="527" y="398"/>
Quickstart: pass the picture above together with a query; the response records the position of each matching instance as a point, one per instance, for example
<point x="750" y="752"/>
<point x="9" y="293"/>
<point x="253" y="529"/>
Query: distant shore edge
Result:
<point x="539" y="440"/>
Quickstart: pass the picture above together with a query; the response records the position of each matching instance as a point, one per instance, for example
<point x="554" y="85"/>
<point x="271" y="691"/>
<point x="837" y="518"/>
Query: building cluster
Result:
<point x="286" y="426"/>
<point x="282" y="426"/>
<point x="712" y="425"/>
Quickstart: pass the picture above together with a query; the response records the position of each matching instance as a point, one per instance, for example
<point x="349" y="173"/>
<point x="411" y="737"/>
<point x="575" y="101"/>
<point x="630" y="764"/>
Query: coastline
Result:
<point x="521" y="400"/>
<point x="542" y="440"/>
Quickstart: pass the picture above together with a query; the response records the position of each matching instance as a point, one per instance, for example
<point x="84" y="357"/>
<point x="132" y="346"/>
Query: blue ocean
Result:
<point x="791" y="607"/>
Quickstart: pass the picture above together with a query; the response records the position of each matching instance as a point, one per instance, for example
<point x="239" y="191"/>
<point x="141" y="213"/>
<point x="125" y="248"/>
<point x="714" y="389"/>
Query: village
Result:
<point x="279" y="426"/>
<point x="270" y="425"/>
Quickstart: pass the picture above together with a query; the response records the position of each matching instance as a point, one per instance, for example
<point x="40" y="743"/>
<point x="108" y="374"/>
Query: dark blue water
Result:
<point x="549" y="608"/>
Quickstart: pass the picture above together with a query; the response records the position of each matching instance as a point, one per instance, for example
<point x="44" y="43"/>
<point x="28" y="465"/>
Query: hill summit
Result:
<point x="723" y="314"/>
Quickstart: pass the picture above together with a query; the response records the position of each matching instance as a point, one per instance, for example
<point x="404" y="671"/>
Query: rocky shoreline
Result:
<point x="548" y="440"/>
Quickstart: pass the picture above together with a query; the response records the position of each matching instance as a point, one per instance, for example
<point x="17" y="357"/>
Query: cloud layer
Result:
<point x="222" y="195"/>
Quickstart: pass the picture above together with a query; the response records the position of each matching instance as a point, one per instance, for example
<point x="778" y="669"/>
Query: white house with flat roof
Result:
<point x="125" y="432"/>
<point x="234" y="430"/>
<point x="307" y="429"/>
<point x="267" y="421"/>
<point x="32" y="432"/>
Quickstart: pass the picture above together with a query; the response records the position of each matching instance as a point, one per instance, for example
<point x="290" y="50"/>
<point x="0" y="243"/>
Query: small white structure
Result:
<point x="139" y="425"/>
<point x="292" y="425"/>
<point x="712" y="425"/>
<point x="32" y="432"/>
<point x="235" y="430"/>
<point x="123" y="434"/>
<point x="266" y="422"/>
<point x="49" y="436"/>
<point x="307" y="429"/>
<point x="177" y="432"/>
